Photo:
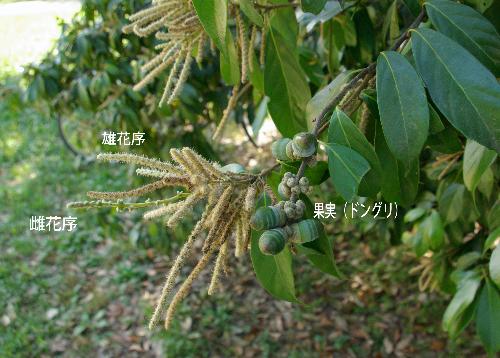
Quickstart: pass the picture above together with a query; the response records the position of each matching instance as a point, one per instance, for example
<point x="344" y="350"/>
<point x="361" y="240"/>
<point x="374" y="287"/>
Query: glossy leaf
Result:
<point x="468" y="286"/>
<point x="476" y="160"/>
<point x="402" y="104"/>
<point x="451" y="202"/>
<point x="347" y="168"/>
<point x="321" y="98"/>
<point x="286" y="86"/>
<point x="494" y="266"/>
<point x="490" y="240"/>
<point x="433" y="231"/>
<point x="344" y="132"/>
<point x="325" y="262"/>
<point x="468" y="28"/>
<point x="213" y="17"/>
<point x="229" y="63"/>
<point x="313" y="6"/>
<point x="460" y="86"/>
<point x="488" y="317"/>
<point x="249" y="10"/>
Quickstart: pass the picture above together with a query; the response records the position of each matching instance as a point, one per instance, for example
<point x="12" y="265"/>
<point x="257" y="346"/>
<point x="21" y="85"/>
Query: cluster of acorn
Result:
<point x="301" y="147"/>
<point x="281" y="222"/>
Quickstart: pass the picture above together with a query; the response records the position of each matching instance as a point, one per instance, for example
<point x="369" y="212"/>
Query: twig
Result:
<point x="276" y="6"/>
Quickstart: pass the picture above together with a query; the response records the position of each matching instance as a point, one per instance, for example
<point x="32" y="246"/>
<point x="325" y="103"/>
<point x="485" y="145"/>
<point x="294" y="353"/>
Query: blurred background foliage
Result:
<point x="92" y="291"/>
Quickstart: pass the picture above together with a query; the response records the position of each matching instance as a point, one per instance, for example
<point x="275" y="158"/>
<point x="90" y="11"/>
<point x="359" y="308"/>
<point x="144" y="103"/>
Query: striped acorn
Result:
<point x="273" y="241"/>
<point x="268" y="217"/>
<point x="278" y="149"/>
<point x="306" y="230"/>
<point x="304" y="144"/>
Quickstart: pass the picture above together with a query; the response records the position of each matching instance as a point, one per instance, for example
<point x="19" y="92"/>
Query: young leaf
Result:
<point x="460" y="86"/>
<point x="469" y="28"/>
<point x="285" y="84"/>
<point x="466" y="291"/>
<point x="403" y="107"/>
<point x="213" y="17"/>
<point x="495" y="266"/>
<point x="312" y="6"/>
<point x="274" y="273"/>
<point x="343" y="131"/>
<point x="347" y="168"/>
<point x="488" y="317"/>
<point x="414" y="214"/>
<point x="476" y="160"/>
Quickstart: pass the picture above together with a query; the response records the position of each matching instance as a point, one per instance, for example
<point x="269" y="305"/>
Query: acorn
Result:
<point x="267" y="218"/>
<point x="272" y="242"/>
<point x="306" y="230"/>
<point x="278" y="149"/>
<point x="304" y="144"/>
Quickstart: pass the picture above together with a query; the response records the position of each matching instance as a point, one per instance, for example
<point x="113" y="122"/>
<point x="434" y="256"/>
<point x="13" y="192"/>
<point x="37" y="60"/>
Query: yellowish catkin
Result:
<point x="179" y="157"/>
<point x="251" y="43"/>
<point x="250" y="199"/>
<point x="186" y="206"/>
<point x="169" y="181"/>
<point x="175" y="270"/>
<point x="186" y="286"/>
<point x="184" y="73"/>
<point x="164" y="210"/>
<point x="225" y="116"/>
<point x="174" y="71"/>
<point x="262" y="55"/>
<point x="154" y="173"/>
<point x="238" y="251"/>
<point x="201" y="48"/>
<point x="219" y="265"/>
<point x="243" y="40"/>
<point x="203" y="165"/>
<point x="218" y="217"/>
<point x="140" y="160"/>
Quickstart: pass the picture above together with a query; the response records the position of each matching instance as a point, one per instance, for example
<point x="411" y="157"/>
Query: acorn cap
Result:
<point x="304" y="144"/>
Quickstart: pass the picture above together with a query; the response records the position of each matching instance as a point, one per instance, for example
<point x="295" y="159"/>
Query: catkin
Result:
<point x="225" y="116"/>
<point x="219" y="265"/>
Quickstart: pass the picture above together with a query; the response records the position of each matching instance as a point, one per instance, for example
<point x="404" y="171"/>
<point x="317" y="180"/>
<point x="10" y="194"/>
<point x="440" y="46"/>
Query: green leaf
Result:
<point x="495" y="266"/>
<point x="229" y="63"/>
<point x="480" y="5"/>
<point x="494" y="216"/>
<point x="414" y="214"/>
<point x="399" y="184"/>
<point x="249" y="10"/>
<point x="321" y="98"/>
<point x="466" y="291"/>
<point x="274" y="273"/>
<point x="490" y="240"/>
<point x="312" y="6"/>
<point x="433" y="231"/>
<point x="286" y="86"/>
<point x="325" y="262"/>
<point x="488" y="318"/>
<point x="460" y="86"/>
<point x="343" y="131"/>
<point x="435" y="123"/>
<point x="468" y="28"/>
<point x="347" y="168"/>
<point x="467" y="260"/>
<point x="451" y="202"/>
<point x="213" y="18"/>
<point x="402" y="104"/>
<point x="391" y="23"/>
<point x="476" y="160"/>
